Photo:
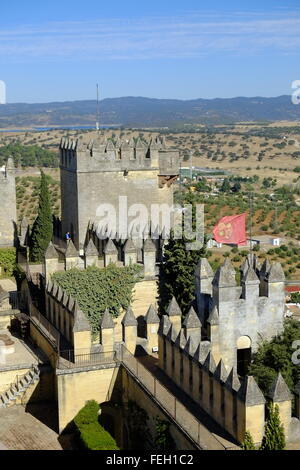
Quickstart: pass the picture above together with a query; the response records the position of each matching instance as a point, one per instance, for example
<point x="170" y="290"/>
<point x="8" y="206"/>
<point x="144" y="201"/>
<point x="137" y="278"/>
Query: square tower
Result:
<point x="101" y="172"/>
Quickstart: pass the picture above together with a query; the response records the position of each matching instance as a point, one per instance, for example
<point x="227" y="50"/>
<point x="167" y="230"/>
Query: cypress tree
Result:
<point x="248" y="443"/>
<point x="274" y="438"/>
<point x="42" y="228"/>
<point x="178" y="273"/>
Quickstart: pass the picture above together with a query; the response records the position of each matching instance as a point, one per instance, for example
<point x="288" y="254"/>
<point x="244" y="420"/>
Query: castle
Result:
<point x="190" y="371"/>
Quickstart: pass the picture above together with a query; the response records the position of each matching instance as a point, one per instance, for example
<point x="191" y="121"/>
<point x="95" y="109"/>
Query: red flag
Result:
<point x="231" y="229"/>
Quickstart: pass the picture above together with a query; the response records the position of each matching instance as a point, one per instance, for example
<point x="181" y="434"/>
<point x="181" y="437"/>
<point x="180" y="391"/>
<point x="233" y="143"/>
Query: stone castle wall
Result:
<point x="8" y="211"/>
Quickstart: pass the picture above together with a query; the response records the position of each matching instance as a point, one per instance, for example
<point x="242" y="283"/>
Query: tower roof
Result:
<point x="192" y="320"/>
<point x="71" y="251"/>
<point x="204" y="269"/>
<point x="106" y="321"/>
<point x="276" y="273"/>
<point x="151" y="315"/>
<point x="81" y="323"/>
<point x="279" y="390"/>
<point x="129" y="318"/>
<point x="173" y="308"/>
<point x="91" y="249"/>
<point x="51" y="252"/>
<point x="250" y="392"/>
<point x="250" y="277"/>
<point x="225" y="276"/>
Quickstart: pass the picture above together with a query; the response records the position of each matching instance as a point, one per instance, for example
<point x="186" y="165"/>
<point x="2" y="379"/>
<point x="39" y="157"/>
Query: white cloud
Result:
<point x="186" y="36"/>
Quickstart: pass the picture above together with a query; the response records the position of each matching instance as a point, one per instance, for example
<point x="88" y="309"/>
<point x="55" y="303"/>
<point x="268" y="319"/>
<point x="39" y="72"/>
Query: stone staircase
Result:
<point x="14" y="395"/>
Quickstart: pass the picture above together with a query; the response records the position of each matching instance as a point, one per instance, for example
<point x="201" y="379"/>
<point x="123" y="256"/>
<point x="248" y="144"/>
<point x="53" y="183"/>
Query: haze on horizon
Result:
<point x="58" y="51"/>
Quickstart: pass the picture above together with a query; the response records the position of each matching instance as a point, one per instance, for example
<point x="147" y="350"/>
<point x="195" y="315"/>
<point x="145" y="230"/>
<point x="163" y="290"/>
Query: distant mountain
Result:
<point x="149" y="112"/>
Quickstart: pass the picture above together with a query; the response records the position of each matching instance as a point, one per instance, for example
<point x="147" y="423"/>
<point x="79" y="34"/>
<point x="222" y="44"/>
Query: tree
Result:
<point x="275" y="356"/>
<point x="274" y="438"/>
<point x="42" y="228"/>
<point x="225" y="188"/>
<point x="178" y="273"/>
<point x="163" y="439"/>
<point x="248" y="443"/>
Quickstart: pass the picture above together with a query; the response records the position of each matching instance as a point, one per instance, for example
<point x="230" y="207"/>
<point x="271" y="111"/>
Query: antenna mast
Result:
<point x="98" y="113"/>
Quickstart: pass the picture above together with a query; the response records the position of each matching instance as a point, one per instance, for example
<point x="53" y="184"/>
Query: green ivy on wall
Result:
<point x="96" y="289"/>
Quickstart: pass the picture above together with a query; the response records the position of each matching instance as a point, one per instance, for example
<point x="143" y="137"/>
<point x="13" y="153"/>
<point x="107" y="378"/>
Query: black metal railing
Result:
<point x="69" y="359"/>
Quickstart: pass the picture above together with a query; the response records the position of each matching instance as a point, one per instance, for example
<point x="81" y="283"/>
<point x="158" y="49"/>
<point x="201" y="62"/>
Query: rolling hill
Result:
<point x="149" y="112"/>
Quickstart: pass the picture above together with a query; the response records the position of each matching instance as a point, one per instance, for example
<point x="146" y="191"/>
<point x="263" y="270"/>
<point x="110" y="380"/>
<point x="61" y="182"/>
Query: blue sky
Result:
<point x="59" y="50"/>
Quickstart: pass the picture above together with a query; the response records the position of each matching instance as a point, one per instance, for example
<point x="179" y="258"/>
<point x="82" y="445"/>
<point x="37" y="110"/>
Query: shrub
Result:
<point x="248" y="443"/>
<point x="92" y="435"/>
<point x="8" y="261"/>
<point x="274" y="438"/>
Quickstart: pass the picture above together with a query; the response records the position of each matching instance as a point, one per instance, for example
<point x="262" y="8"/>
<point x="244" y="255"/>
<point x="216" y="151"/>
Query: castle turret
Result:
<point x="129" y="325"/>
<point x="51" y="261"/>
<point x="149" y="258"/>
<point x="91" y="254"/>
<point x="203" y="283"/>
<point x="192" y="325"/>
<point x="224" y="283"/>
<point x="174" y="313"/>
<point x="110" y="253"/>
<point x="250" y="285"/>
<point x="152" y="324"/>
<point x="275" y="282"/>
<point x="130" y="254"/>
<point x="82" y="337"/>
<point x="107" y="329"/>
<point x="250" y="410"/>
<point x="280" y="395"/>
<point x="71" y="256"/>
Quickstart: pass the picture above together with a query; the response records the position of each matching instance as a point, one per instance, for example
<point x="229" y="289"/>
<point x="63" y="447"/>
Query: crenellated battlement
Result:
<point x="106" y="155"/>
<point x="236" y="315"/>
